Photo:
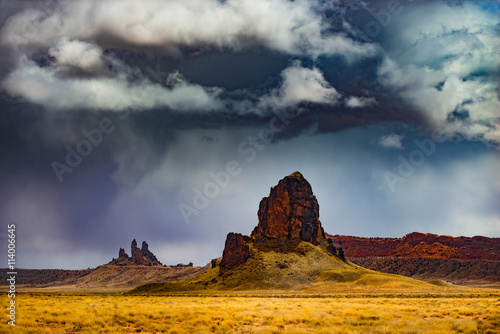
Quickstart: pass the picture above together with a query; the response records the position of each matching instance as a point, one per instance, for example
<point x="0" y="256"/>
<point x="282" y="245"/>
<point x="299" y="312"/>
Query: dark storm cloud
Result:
<point x="185" y="83"/>
<point x="354" y="47"/>
<point x="297" y="30"/>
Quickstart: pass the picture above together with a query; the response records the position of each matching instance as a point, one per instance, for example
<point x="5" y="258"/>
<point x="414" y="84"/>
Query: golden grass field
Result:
<point x="465" y="312"/>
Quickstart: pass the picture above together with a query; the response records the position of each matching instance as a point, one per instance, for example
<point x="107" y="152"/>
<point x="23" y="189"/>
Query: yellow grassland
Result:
<point x="472" y="311"/>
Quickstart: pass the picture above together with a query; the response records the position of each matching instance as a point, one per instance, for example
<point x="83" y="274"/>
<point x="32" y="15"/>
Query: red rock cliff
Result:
<point x="421" y="245"/>
<point x="236" y="250"/>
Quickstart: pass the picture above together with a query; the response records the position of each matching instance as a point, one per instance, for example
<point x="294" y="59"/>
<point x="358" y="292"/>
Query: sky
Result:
<point x="168" y="121"/>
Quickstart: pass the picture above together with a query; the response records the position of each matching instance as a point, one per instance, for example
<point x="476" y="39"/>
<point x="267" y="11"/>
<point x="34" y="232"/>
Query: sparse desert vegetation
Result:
<point x="469" y="312"/>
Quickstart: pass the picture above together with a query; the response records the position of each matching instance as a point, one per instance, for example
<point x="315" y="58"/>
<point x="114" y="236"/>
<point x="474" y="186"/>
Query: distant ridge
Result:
<point x="479" y="273"/>
<point x="421" y="245"/>
<point x="471" y="261"/>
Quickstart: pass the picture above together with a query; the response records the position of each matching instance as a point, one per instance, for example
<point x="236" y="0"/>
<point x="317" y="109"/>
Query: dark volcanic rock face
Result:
<point x="236" y="250"/>
<point x="291" y="211"/>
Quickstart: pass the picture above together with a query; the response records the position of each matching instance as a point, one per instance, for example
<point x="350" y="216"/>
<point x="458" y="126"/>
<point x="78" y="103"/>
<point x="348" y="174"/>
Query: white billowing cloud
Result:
<point x="391" y="141"/>
<point x="86" y="82"/>
<point x="80" y="74"/>
<point x="478" y="55"/>
<point x="300" y="84"/>
<point x="438" y="104"/>
<point x="78" y="55"/>
<point x="359" y="102"/>
<point x="444" y="19"/>
<point x="405" y="78"/>
<point x="439" y="67"/>
<point x="439" y="100"/>
<point x="43" y="86"/>
<point x="292" y="27"/>
<point x="457" y="39"/>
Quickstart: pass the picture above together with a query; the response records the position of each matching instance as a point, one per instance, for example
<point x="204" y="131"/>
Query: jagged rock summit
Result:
<point x="140" y="256"/>
<point x="289" y="213"/>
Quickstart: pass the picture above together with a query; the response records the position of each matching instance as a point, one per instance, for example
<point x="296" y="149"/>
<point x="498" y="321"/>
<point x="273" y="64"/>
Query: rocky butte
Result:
<point x="290" y="212"/>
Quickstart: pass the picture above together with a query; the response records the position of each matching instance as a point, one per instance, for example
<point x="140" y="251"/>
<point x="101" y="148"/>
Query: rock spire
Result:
<point x="141" y="256"/>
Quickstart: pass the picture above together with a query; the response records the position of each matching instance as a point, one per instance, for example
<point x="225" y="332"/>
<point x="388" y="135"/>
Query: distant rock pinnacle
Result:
<point x="141" y="256"/>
